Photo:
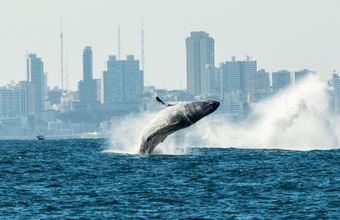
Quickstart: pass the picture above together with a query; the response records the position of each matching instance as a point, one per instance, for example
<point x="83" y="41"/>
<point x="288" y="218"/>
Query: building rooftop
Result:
<point x="199" y="34"/>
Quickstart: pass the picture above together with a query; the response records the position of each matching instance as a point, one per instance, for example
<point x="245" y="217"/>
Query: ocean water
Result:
<point x="78" y="179"/>
<point x="281" y="162"/>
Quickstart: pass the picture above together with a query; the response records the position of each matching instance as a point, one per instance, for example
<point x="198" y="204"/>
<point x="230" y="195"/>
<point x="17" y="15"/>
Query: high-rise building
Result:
<point x="87" y="87"/>
<point x="30" y="95"/>
<point x="236" y="75"/>
<point x="249" y="67"/>
<point x="122" y="81"/>
<point x="200" y="52"/>
<point x="281" y="80"/>
<point x="302" y="74"/>
<point x="13" y="102"/>
<point x="35" y="75"/>
<point x="45" y="86"/>
<point x="259" y="81"/>
<point x="234" y="71"/>
<point x="259" y="85"/>
<point x="87" y="64"/>
<point x="335" y="83"/>
<point x="99" y="89"/>
<point x="213" y="79"/>
<point x="54" y="95"/>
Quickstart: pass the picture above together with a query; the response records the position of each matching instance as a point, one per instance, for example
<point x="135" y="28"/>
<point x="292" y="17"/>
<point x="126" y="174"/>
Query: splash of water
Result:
<point x="295" y="119"/>
<point x="126" y="135"/>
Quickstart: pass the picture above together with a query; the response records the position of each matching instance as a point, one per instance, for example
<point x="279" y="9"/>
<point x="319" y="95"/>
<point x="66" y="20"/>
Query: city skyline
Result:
<point x="237" y="85"/>
<point x="281" y="35"/>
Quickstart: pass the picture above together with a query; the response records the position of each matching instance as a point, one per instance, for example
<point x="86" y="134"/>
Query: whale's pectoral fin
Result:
<point x="160" y="101"/>
<point x="164" y="132"/>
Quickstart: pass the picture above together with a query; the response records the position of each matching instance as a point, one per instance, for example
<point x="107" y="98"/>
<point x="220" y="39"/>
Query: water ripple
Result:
<point x="74" y="179"/>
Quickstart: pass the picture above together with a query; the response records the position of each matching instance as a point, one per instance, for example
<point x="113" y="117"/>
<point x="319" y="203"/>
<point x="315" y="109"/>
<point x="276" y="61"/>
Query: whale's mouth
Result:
<point x="214" y="106"/>
<point x="211" y="106"/>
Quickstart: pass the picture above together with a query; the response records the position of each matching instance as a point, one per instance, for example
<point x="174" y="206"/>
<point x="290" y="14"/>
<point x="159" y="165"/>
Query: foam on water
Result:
<point x="298" y="118"/>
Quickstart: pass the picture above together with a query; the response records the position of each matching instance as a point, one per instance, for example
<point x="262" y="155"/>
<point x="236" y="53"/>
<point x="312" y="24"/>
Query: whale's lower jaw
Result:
<point x="150" y="144"/>
<point x="143" y="148"/>
<point x="147" y="149"/>
<point x="142" y="151"/>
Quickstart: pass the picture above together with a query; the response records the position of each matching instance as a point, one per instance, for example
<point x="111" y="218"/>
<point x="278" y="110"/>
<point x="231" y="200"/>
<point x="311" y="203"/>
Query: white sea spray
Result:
<point x="298" y="118"/>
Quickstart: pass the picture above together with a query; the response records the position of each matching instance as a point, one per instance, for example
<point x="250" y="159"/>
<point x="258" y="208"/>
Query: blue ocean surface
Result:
<point x="75" y="179"/>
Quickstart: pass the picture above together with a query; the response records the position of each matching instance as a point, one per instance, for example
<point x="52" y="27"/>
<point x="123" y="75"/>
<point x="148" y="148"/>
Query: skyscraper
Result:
<point x="87" y="64"/>
<point x="30" y="95"/>
<point x="259" y="85"/>
<point x="281" y="80"/>
<point x="259" y="81"/>
<point x="122" y="81"/>
<point x="236" y="75"/>
<point x="46" y="88"/>
<point x="200" y="52"/>
<point x="302" y="74"/>
<point x="87" y="87"/>
<point x="213" y="79"/>
<point x="13" y="102"/>
<point x="35" y="75"/>
<point x="99" y="89"/>
<point x="335" y="83"/>
<point x="249" y="67"/>
<point x="55" y="95"/>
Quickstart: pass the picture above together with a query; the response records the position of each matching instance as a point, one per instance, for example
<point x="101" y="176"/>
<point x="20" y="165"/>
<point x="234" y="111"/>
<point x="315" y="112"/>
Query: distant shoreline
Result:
<point x="53" y="137"/>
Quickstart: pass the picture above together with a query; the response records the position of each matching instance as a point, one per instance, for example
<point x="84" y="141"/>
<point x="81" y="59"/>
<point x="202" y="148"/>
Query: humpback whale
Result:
<point x="175" y="117"/>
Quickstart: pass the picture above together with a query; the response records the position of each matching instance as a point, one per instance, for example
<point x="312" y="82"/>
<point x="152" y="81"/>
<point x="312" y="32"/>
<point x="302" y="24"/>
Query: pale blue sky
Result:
<point x="290" y="35"/>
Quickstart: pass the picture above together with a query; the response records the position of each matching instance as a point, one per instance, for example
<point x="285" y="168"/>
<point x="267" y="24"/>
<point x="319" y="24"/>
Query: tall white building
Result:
<point x="298" y="75"/>
<point x="335" y="83"/>
<point x="259" y="81"/>
<point x="30" y="95"/>
<point x="87" y="87"/>
<point x="122" y="81"/>
<point x="45" y="86"/>
<point x="235" y="75"/>
<point x="281" y="80"/>
<point x="249" y="67"/>
<point x="259" y="85"/>
<point x="99" y="89"/>
<point x="213" y="79"/>
<point x="200" y="52"/>
<point x="13" y="102"/>
<point x="35" y="75"/>
<point x="233" y="72"/>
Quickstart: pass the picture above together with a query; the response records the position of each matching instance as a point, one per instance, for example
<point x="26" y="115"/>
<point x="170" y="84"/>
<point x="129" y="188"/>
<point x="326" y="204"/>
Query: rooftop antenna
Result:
<point x="66" y="73"/>
<point x="61" y="56"/>
<point x="143" y="57"/>
<point x="118" y="42"/>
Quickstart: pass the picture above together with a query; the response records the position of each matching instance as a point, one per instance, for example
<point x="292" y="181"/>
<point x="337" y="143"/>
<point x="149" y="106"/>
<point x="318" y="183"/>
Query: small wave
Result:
<point x="116" y="151"/>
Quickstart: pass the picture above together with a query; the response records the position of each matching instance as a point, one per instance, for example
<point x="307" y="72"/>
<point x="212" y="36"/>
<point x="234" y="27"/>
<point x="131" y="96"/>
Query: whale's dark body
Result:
<point x="172" y="119"/>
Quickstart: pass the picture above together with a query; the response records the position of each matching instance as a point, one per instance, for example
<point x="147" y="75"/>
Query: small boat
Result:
<point x="40" y="138"/>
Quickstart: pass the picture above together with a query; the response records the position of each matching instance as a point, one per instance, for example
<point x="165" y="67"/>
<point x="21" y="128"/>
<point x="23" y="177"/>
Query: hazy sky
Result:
<point x="290" y="35"/>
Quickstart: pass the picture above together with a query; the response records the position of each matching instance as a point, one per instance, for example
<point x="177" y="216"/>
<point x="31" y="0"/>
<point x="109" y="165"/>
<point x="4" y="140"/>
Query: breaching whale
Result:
<point x="175" y="117"/>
